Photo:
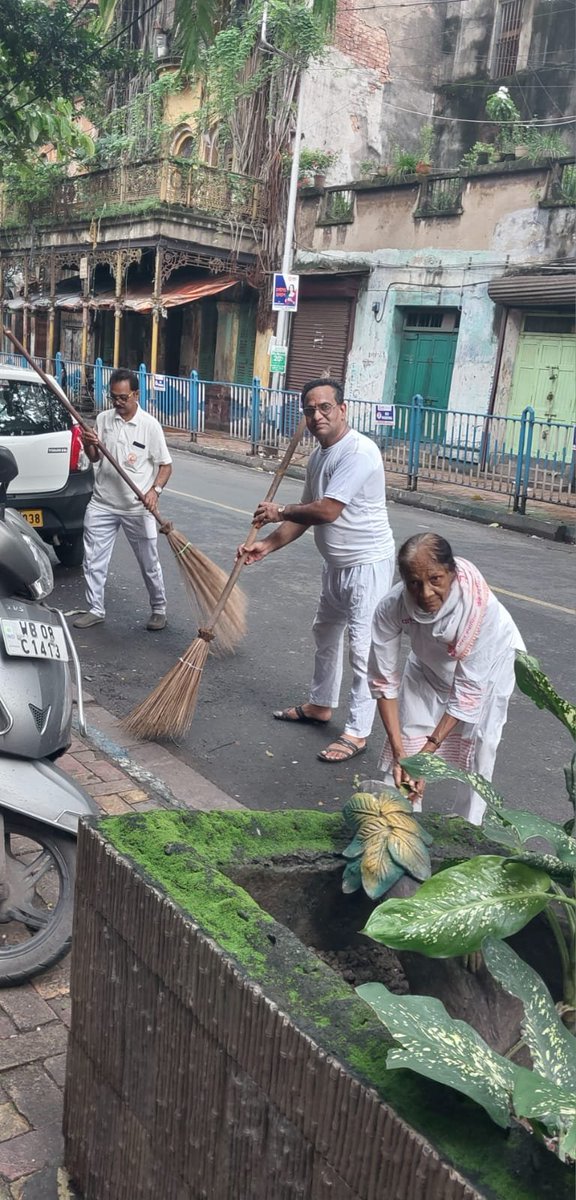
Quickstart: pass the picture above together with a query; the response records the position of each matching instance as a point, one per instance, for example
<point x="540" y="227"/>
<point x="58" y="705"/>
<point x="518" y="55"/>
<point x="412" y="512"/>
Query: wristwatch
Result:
<point x="281" y="508"/>
<point x="158" y="490"/>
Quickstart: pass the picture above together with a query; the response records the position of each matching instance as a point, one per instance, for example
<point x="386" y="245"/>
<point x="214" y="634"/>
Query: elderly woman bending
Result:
<point x="452" y="698"/>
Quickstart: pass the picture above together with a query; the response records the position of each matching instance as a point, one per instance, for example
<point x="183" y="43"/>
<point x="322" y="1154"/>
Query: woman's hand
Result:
<point x="412" y="788"/>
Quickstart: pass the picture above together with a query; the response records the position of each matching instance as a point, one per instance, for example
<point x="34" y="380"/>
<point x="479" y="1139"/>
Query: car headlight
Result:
<point x="44" y="583"/>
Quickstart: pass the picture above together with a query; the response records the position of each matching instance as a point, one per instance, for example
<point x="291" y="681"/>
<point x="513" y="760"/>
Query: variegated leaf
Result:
<point x="431" y="767"/>
<point x="529" y="825"/>
<point x="538" y="1098"/>
<point x="379" y="872"/>
<point x="552" y="1046"/>
<point x="440" y="1048"/>
<point x="570" y="780"/>
<point x="409" y="851"/>
<point x="388" y="838"/>
<point x="554" y="867"/>
<point x="352" y="877"/>
<point x="454" y="911"/>
<point x="534" y="683"/>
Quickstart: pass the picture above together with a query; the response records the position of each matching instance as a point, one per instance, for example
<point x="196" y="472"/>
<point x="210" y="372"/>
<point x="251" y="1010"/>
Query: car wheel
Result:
<point x="70" y="551"/>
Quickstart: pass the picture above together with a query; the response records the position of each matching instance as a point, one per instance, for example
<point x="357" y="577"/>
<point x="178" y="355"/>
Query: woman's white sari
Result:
<point x="461" y="663"/>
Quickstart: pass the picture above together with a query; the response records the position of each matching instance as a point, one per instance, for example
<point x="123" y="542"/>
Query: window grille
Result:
<point x="506" y="55"/>
<point x="440" y="197"/>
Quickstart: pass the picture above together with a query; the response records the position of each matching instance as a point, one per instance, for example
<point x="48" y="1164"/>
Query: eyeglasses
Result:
<point x="325" y="409"/>
<point x="120" y="395"/>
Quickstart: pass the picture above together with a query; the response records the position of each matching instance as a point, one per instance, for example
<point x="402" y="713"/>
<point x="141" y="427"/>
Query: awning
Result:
<point x="527" y="291"/>
<point x="138" y="298"/>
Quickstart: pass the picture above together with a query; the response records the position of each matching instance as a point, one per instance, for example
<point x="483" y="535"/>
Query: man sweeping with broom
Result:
<point x="344" y="501"/>
<point x="137" y="441"/>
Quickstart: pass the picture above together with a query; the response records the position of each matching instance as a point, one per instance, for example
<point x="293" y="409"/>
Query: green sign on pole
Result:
<point x="278" y="360"/>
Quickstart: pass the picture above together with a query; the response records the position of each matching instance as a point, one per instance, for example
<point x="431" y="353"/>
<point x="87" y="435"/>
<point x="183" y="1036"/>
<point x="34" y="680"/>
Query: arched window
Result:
<point x="184" y="144"/>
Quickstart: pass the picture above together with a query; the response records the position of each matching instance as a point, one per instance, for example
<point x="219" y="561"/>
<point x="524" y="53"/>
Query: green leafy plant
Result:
<point x="388" y="842"/>
<point x="403" y="163"/>
<point x="453" y="912"/>
<point x="567" y="185"/>
<point x="426" y="143"/>
<point x="310" y="163"/>
<point x="429" y="1041"/>
<point x="470" y="160"/>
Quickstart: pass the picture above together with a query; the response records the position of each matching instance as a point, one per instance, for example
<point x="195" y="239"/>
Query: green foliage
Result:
<point x="292" y="28"/>
<point x="388" y="842"/>
<point x="426" y="142"/>
<point x="403" y="163"/>
<point x="501" y="107"/>
<point x="432" y="768"/>
<point x="48" y="58"/>
<point x="534" y="683"/>
<point x="453" y="912"/>
<point x="552" y="1047"/>
<point x="432" y="1043"/>
<point x="567" y="186"/>
<point x="469" y="161"/>
<point x="138" y="130"/>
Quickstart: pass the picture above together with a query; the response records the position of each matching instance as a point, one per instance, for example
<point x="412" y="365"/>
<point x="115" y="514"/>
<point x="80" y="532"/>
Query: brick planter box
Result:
<point x="212" y="1055"/>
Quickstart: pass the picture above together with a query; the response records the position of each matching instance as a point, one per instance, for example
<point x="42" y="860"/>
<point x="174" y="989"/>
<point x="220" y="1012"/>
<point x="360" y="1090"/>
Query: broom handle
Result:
<point x="253" y="534"/>
<point x="74" y="413"/>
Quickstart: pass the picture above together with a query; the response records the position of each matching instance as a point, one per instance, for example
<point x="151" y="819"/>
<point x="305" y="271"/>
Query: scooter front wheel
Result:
<point x="36" y="898"/>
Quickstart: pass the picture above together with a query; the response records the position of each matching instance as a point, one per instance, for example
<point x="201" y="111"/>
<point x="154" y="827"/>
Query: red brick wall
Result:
<point x="367" y="45"/>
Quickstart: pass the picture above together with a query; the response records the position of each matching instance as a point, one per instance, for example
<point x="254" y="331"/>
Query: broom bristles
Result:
<point x="168" y="710"/>
<point x="204" y="583"/>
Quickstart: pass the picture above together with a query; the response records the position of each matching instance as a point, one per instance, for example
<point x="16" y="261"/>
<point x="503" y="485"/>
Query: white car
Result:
<point x="55" y="478"/>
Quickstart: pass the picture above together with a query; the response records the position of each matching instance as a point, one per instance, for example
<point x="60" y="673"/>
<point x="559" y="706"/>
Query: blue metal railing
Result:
<point x="523" y="458"/>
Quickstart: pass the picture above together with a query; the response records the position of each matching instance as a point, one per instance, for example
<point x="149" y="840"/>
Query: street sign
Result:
<point x="278" y="360"/>
<point x="160" y="383"/>
<point x="385" y="414"/>
<point x="285" y="293"/>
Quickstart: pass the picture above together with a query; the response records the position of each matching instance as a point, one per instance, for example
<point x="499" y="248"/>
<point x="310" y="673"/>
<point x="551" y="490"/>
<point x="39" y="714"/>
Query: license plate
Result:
<point x="34" y="639"/>
<point x="34" y="516"/>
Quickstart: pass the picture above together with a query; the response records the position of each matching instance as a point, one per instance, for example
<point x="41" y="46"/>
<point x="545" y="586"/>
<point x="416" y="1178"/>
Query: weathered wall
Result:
<point x="500" y="211"/>
<point x="441" y="262"/>
<point x="363" y="99"/>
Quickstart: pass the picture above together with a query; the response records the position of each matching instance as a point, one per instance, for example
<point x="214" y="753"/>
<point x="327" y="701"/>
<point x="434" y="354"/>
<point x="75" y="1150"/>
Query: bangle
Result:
<point x="434" y="740"/>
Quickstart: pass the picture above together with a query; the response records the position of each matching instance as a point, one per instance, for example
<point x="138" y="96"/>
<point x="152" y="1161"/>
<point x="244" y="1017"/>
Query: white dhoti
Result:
<point x="101" y="528"/>
<point x="347" y="602"/>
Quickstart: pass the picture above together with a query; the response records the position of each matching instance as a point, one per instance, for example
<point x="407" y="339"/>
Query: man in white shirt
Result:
<point x="137" y="442"/>
<point x="344" y="501"/>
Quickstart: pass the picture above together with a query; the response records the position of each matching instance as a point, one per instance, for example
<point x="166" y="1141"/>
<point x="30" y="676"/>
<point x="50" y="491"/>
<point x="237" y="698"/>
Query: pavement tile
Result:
<point x="56" y="1067"/>
<point x="115" y="787"/>
<point x="84" y="756"/>
<point x="34" y="1094"/>
<point x="25" y="1007"/>
<point x="62" y="1008"/>
<point x="55" y="982"/>
<point x="52" y="1183"/>
<point x="135" y="796"/>
<point x="7" y="1027"/>
<point x="31" y="1152"/>
<point x="113" y="805"/>
<point x="12" y="1123"/>
<point x="27" y="1047"/>
<point x="107" y="771"/>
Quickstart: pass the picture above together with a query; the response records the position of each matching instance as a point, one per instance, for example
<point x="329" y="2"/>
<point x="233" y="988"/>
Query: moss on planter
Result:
<point x="186" y="855"/>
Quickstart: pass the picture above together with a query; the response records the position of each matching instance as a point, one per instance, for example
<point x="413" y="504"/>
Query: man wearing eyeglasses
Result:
<point x="344" y="502"/>
<point x="137" y="442"/>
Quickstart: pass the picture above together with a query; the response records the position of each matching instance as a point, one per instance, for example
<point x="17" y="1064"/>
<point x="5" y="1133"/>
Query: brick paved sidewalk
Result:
<point x="33" y="1030"/>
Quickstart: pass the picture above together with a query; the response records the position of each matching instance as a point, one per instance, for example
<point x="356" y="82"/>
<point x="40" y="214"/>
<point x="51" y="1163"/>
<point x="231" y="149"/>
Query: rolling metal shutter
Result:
<point x="320" y="340"/>
<point x="533" y="291"/>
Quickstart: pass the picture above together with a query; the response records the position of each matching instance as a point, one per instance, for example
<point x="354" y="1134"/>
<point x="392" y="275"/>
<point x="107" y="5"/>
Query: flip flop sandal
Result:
<point x="301" y="718"/>
<point x="347" y="744"/>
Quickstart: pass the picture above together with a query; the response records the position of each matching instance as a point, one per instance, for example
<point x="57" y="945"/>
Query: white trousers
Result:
<point x="347" y="602"/>
<point x="101" y="528"/>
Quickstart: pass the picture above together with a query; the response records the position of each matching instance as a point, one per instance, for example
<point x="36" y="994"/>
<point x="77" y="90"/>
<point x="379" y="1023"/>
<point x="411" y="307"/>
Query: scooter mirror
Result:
<point x="8" y="468"/>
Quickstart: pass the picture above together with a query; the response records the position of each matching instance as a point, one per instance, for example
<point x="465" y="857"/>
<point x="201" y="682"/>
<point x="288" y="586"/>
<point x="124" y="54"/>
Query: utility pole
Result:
<point x="283" y="317"/>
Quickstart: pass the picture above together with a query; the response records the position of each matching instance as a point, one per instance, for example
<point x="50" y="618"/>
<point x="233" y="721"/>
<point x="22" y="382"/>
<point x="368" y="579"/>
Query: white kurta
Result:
<point x="475" y="689"/>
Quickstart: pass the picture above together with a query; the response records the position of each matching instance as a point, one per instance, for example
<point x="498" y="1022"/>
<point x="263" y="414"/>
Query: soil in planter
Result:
<point x="366" y="965"/>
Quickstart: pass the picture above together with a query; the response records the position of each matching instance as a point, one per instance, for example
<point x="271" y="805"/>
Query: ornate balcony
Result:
<point x="141" y="187"/>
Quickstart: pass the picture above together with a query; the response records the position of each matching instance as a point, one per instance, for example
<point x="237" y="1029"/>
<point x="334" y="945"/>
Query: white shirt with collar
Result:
<point x="139" y="446"/>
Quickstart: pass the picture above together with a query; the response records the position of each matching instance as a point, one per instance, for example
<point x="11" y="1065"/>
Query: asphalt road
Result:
<point x="233" y="740"/>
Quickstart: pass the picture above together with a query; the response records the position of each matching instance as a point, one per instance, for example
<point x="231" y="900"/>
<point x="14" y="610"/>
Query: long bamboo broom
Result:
<point x="204" y="581"/>
<point x="169" y="709"/>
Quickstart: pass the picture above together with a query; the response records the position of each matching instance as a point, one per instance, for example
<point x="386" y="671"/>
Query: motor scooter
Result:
<point x="40" y="805"/>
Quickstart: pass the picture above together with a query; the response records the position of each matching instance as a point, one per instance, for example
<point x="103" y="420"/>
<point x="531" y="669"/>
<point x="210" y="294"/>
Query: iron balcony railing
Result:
<point x="111" y="190"/>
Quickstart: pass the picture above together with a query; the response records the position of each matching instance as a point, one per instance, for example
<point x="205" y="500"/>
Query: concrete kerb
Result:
<point x="169" y="782"/>
<point x="531" y="526"/>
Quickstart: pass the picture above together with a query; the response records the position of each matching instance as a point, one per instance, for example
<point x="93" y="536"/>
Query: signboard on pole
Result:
<point x="385" y="414"/>
<point x="160" y="383"/>
<point x="285" y="293"/>
<point x="278" y="360"/>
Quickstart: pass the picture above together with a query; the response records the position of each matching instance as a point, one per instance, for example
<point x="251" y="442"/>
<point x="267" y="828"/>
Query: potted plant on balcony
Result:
<point x="426" y="149"/>
<point x="502" y="109"/>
